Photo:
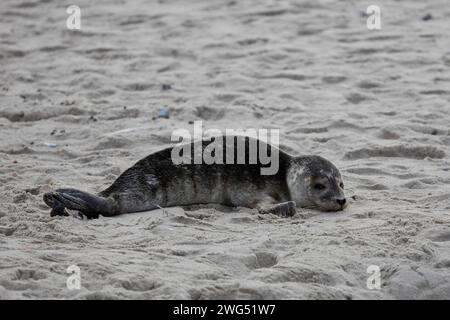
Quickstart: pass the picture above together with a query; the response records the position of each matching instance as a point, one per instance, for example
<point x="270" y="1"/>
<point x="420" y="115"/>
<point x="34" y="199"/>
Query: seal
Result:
<point x="156" y="182"/>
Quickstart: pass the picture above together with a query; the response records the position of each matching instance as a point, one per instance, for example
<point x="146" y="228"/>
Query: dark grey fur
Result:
<point x="156" y="182"/>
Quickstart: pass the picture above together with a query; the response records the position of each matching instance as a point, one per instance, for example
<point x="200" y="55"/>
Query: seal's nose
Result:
<point x="341" y="202"/>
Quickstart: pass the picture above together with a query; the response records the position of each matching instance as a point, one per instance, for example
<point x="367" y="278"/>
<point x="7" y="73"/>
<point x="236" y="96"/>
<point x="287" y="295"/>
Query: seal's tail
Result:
<point x="87" y="204"/>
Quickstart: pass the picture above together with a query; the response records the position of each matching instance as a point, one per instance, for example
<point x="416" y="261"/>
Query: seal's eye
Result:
<point x="319" y="186"/>
<point x="341" y="185"/>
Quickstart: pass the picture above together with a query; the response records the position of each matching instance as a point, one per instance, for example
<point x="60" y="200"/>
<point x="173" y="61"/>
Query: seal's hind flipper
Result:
<point x="284" y="209"/>
<point x="87" y="204"/>
<point x="59" y="211"/>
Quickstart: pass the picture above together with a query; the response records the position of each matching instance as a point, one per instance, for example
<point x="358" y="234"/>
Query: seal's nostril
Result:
<point x="341" y="201"/>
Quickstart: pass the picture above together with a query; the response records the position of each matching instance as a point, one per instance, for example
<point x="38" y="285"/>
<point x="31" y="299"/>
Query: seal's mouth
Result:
<point x="331" y="206"/>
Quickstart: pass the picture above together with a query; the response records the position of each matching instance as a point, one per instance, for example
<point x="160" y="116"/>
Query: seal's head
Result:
<point x="316" y="183"/>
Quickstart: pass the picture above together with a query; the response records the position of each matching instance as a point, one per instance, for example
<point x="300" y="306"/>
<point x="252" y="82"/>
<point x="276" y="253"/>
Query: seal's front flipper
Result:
<point x="87" y="204"/>
<point x="284" y="209"/>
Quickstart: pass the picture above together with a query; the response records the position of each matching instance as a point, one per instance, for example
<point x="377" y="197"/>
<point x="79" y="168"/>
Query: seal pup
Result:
<point x="156" y="182"/>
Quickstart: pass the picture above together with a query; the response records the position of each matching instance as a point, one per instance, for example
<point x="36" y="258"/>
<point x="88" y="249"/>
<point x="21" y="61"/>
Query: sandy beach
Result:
<point x="78" y="107"/>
